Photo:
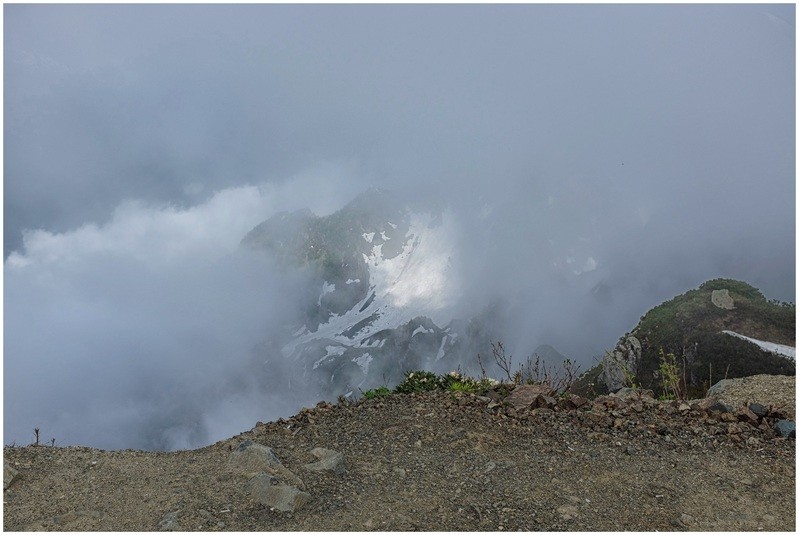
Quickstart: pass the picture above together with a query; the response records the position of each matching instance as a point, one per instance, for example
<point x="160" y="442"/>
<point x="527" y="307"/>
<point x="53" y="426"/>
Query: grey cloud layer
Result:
<point x="109" y="102"/>
<point x="658" y="141"/>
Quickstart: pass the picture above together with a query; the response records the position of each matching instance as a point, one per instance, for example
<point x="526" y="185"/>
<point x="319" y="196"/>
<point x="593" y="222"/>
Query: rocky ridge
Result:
<point x="720" y="329"/>
<point x="515" y="459"/>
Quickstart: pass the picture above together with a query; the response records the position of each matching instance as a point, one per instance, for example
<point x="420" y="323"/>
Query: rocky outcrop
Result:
<point x="621" y="364"/>
<point x="9" y="475"/>
<point x="722" y="299"/>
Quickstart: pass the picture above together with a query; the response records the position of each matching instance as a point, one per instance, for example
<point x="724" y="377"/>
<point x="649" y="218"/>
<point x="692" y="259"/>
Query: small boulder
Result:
<point x="722" y="299"/>
<point x="524" y="395"/>
<point x="568" y="512"/>
<point x="251" y="458"/>
<point x="719" y="406"/>
<point x="170" y="522"/>
<point x="266" y="490"/>
<point x="328" y="460"/>
<point x="745" y="415"/>
<point x="760" y="410"/>
<point x="9" y="475"/>
<point x="786" y="428"/>
<point x="543" y="402"/>
<point x="578" y="401"/>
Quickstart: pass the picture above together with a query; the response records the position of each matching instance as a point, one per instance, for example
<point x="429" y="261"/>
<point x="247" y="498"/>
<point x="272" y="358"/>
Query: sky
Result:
<point x="628" y="152"/>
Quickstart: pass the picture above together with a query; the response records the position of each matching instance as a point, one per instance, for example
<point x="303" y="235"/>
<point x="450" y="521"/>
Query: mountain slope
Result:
<point x="695" y="328"/>
<point x="384" y="290"/>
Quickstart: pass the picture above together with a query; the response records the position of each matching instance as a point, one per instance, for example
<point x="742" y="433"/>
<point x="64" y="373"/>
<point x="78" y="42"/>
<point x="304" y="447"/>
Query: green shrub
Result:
<point x="419" y="381"/>
<point x="377" y="393"/>
<point x="669" y="372"/>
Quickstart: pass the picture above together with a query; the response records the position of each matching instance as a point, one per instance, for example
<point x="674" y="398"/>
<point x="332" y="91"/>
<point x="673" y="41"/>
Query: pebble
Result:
<point x="567" y="512"/>
<point x="170" y="522"/>
<point x="786" y="428"/>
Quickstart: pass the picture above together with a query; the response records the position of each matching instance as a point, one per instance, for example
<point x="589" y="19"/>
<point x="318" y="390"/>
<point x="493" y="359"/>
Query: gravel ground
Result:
<point x="434" y="462"/>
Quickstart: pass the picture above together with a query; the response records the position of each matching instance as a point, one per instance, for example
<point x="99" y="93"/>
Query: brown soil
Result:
<point x="435" y="462"/>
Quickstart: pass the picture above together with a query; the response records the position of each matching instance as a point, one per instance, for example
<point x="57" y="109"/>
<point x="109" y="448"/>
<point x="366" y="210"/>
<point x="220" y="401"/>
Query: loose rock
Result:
<point x="266" y="490"/>
<point x="524" y="395"/>
<point x="170" y="522"/>
<point x="328" y="460"/>
<point x="786" y="428"/>
<point x="9" y="475"/>
<point x="251" y="458"/>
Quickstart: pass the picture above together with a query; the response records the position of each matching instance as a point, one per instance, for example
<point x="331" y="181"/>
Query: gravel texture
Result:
<point x="775" y="390"/>
<point x="436" y="462"/>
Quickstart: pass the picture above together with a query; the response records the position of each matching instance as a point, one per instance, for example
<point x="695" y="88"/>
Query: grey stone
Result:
<point x="170" y="522"/>
<point x="524" y="395"/>
<point x="251" y="458"/>
<point x="266" y="490"/>
<point x="759" y="410"/>
<point x="568" y="512"/>
<point x="722" y="299"/>
<point x="718" y="389"/>
<point x="786" y="428"/>
<point x="9" y="475"/>
<point x="328" y="460"/>
<point x="746" y="415"/>
<point x="720" y="406"/>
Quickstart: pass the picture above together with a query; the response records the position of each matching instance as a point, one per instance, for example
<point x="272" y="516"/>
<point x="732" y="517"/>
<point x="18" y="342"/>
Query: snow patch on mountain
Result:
<point x="326" y="289"/>
<point x="441" y="351"/>
<point x="363" y="361"/>
<point x="420" y="329"/>
<point x="416" y="282"/>
<point x="779" y="349"/>
<point x="418" y="278"/>
<point x="331" y="351"/>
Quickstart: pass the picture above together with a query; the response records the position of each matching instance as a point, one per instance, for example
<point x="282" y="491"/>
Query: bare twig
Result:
<point x="482" y="368"/>
<point x="505" y="362"/>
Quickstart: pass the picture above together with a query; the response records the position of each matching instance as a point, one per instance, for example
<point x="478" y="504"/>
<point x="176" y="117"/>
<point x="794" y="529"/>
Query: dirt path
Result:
<point x="433" y="462"/>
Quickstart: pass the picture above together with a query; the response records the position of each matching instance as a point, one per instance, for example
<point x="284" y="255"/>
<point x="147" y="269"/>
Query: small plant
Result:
<point x="377" y="393"/>
<point x="457" y="382"/>
<point x="536" y="371"/>
<point x="670" y="376"/>
<point x="418" y="381"/>
<point x="459" y="386"/>
<point x="36" y="434"/>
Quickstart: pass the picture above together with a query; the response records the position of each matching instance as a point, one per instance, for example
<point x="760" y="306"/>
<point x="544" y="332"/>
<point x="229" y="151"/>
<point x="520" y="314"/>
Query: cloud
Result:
<point x="141" y="332"/>
<point x="595" y="161"/>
